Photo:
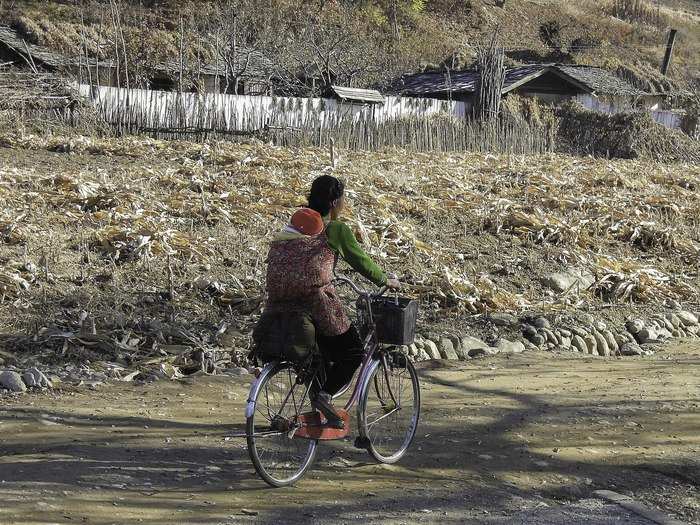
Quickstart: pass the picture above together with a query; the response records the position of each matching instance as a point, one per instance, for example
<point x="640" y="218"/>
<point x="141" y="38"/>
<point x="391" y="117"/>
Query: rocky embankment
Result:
<point x="582" y="334"/>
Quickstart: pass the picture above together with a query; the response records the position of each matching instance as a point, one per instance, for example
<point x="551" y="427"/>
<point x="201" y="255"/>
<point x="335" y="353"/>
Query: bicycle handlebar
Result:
<point x="359" y="290"/>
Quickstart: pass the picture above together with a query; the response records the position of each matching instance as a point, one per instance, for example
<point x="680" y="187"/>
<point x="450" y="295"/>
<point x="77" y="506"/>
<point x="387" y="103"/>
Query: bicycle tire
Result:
<point x="300" y="451"/>
<point x="381" y="449"/>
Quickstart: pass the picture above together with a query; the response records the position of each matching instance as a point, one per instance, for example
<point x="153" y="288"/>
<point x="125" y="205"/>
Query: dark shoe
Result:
<point x="322" y="403"/>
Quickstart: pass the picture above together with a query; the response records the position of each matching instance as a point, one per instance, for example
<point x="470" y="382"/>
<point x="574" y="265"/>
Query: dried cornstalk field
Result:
<point x="162" y="243"/>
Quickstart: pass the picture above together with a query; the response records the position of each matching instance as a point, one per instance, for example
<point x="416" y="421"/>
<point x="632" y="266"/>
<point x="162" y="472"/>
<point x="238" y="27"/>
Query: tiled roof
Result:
<point x="40" y="54"/>
<point x="600" y="80"/>
<point x="592" y="79"/>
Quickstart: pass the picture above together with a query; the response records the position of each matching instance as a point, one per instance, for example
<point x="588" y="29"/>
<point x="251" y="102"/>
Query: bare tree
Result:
<point x="329" y="50"/>
<point x="238" y="41"/>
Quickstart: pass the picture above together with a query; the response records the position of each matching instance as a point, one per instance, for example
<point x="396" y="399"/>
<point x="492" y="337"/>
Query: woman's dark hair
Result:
<point x="325" y="190"/>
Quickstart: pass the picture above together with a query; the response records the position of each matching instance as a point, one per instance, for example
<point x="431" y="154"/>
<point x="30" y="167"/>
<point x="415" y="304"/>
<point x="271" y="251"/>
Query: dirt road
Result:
<point x="524" y="439"/>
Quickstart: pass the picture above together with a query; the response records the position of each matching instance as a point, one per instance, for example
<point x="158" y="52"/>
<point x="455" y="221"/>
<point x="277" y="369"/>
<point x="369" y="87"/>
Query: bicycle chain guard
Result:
<point x="312" y="427"/>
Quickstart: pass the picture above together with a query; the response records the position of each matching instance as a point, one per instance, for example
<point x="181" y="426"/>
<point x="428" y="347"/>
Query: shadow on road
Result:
<point x="478" y="447"/>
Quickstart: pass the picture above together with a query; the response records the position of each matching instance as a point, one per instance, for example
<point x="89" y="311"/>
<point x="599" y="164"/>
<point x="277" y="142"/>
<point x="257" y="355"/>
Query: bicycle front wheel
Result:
<point x="275" y="402"/>
<point x="389" y="408"/>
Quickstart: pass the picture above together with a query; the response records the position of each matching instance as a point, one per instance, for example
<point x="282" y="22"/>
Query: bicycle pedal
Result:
<point x="361" y="442"/>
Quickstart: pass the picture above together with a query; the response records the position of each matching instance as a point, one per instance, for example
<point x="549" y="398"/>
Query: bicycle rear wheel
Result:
<point x="275" y="401"/>
<point x="389" y="408"/>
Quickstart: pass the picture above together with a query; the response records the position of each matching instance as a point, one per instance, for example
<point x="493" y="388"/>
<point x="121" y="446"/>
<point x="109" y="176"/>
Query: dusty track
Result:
<point x="523" y="438"/>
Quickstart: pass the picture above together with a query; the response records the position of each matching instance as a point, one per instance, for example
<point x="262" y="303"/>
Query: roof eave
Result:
<point x="362" y="100"/>
<point x="524" y="80"/>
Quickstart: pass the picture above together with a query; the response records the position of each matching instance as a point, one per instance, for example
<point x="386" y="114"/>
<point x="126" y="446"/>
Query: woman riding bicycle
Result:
<point x="299" y="289"/>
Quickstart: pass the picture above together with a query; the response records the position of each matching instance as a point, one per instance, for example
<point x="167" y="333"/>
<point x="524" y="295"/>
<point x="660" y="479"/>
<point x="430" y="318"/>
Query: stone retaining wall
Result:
<point x="591" y="337"/>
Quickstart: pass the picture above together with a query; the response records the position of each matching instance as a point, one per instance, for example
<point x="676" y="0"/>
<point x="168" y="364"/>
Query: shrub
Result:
<point x="638" y="11"/>
<point x="551" y="34"/>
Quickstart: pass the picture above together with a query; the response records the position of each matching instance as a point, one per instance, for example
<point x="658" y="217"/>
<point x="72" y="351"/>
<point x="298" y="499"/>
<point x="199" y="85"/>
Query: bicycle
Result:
<point x="283" y="431"/>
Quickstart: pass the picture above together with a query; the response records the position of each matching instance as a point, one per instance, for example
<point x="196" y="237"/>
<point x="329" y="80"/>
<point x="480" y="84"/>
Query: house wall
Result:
<point x="545" y="98"/>
<point x="652" y="102"/>
<point x="604" y="103"/>
<point x="162" y="81"/>
<point x="616" y="104"/>
<point x="455" y="97"/>
<point x="670" y="119"/>
<point x="209" y="83"/>
<point x="246" y="86"/>
<point x="107" y="75"/>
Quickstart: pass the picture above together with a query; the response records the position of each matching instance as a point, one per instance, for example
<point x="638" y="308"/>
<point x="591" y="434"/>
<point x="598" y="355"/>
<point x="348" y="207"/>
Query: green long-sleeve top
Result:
<point x="342" y="241"/>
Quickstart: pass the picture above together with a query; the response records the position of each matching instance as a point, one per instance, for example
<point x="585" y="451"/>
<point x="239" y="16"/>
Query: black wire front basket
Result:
<point x="395" y="319"/>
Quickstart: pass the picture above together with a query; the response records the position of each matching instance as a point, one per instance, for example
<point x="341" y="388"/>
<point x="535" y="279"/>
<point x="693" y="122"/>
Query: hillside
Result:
<point x="370" y="42"/>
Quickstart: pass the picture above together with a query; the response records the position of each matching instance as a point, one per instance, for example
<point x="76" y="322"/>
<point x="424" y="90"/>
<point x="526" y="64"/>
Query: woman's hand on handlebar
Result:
<point x="392" y="282"/>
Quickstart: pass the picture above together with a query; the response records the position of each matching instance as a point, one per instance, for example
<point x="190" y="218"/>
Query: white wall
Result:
<point x="670" y="119"/>
<point x="158" y="109"/>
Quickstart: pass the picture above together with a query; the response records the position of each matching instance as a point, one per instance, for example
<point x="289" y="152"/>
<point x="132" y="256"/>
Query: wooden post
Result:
<point x="669" y="51"/>
<point x="182" y="61"/>
<point x="332" y="150"/>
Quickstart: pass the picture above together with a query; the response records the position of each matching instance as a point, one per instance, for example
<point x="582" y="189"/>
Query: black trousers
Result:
<point x="342" y="354"/>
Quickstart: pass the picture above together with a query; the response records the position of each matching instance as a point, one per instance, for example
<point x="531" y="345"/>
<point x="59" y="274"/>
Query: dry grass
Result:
<point x="635" y="40"/>
<point x="138" y="231"/>
<point x="639" y="11"/>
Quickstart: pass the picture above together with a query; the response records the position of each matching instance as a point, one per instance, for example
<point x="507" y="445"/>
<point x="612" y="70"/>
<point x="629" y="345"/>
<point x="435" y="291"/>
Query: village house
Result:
<point x="596" y="88"/>
<point x="18" y="53"/>
<point x="249" y="74"/>
<point x="421" y="94"/>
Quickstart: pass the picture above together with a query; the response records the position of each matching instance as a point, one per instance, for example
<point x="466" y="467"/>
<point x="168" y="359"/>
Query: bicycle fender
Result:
<point x="249" y="408"/>
<point x="250" y="405"/>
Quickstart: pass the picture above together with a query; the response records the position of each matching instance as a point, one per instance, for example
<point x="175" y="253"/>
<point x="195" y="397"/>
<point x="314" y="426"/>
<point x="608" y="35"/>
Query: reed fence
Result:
<point x="411" y="123"/>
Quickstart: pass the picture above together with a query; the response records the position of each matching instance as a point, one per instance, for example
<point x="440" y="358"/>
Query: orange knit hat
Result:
<point x="307" y="221"/>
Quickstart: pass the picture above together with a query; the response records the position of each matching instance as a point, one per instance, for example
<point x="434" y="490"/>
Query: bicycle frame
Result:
<point x="365" y="368"/>
<point x="370" y="345"/>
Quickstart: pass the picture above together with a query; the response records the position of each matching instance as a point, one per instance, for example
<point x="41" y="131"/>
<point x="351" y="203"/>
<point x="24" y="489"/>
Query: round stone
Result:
<point x="537" y="340"/>
<point x="634" y="326"/>
<point x="542" y="322"/>
<point x="687" y="318"/>
<point x="529" y="330"/>
<point x="579" y="344"/>
<point x="12" y="381"/>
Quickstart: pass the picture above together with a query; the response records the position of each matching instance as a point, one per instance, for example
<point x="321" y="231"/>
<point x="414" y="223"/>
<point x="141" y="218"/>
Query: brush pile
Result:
<point x="149" y="253"/>
<point x="43" y="100"/>
<point x="22" y="91"/>
<point x="624" y="136"/>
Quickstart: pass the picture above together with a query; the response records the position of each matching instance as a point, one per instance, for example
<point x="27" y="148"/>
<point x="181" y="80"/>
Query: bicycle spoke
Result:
<point x="382" y="417"/>
<point x="277" y="456"/>
<point x="391" y="409"/>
